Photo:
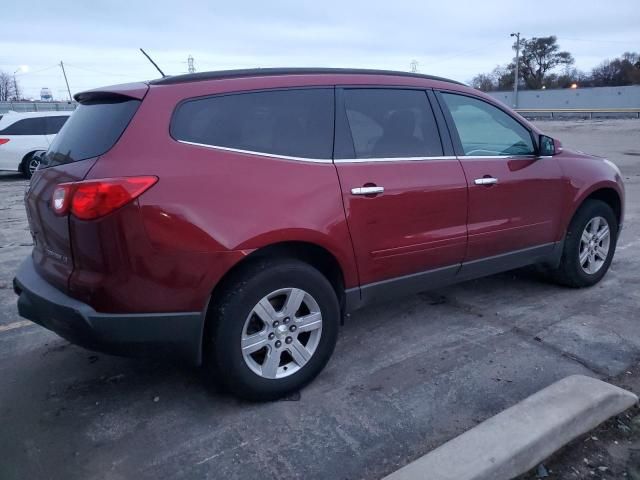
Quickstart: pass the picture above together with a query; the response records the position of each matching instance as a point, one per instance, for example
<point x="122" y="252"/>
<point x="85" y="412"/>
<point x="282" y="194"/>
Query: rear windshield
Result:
<point x="91" y="131"/>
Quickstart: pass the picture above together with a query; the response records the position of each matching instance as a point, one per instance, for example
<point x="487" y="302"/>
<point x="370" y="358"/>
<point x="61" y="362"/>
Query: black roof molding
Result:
<point x="260" y="72"/>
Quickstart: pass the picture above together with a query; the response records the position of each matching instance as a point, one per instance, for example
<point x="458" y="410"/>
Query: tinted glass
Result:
<point x="26" y="126"/>
<point x="296" y="123"/>
<point x="485" y="130"/>
<point x="391" y="123"/>
<point x="92" y="130"/>
<point x="54" y="124"/>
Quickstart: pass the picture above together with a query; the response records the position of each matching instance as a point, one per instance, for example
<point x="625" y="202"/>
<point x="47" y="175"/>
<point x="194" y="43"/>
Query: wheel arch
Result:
<point x="313" y="254"/>
<point x="606" y="194"/>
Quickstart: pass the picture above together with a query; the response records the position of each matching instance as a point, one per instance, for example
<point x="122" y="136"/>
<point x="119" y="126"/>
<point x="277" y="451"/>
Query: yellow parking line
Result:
<point x="14" y="325"/>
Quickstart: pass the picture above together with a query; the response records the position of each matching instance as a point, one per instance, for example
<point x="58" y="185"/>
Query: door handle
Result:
<point x="485" y="181"/>
<point x="367" y="190"/>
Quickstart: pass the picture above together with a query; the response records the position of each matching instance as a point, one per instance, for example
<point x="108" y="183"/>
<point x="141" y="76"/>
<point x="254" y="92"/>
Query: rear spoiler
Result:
<point x="136" y="91"/>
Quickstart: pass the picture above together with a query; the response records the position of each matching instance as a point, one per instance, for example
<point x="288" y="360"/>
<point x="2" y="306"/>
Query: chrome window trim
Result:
<point x="495" y="157"/>
<point x="262" y="154"/>
<point x="318" y="160"/>
<point x="393" y="159"/>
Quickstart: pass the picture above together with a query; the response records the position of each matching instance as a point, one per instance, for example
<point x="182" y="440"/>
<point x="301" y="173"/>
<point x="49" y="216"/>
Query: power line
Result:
<point x="93" y="70"/>
<point x="37" y="71"/>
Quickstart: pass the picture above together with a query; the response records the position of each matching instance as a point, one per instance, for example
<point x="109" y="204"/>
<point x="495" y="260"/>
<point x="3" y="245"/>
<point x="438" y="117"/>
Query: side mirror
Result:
<point x="548" y="146"/>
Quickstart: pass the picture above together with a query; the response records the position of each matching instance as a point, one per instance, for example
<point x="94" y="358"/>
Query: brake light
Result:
<point x="92" y="199"/>
<point x="3" y="141"/>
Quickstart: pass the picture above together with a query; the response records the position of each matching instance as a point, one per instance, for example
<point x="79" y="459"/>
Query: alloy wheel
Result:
<point x="33" y="165"/>
<point x="595" y="243"/>
<point x="281" y="333"/>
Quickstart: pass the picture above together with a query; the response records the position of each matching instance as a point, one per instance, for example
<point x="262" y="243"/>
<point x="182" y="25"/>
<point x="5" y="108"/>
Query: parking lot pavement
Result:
<point x="406" y="376"/>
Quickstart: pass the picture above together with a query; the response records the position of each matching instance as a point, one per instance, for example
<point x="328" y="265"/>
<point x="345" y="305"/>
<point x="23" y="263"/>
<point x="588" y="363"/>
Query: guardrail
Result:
<point x="590" y="111"/>
<point x="35" y="106"/>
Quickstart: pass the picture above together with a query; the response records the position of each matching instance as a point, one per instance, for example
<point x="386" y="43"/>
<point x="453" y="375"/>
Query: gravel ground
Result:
<point x="406" y="376"/>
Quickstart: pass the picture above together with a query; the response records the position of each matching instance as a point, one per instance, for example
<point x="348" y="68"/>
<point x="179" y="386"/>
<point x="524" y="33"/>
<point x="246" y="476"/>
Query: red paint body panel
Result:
<point x="211" y="208"/>
<point x="52" y="253"/>
<point x="585" y="174"/>
<point x="418" y="224"/>
<point x="523" y="209"/>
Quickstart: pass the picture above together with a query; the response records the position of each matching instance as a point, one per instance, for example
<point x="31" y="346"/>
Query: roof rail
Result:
<point x="260" y="72"/>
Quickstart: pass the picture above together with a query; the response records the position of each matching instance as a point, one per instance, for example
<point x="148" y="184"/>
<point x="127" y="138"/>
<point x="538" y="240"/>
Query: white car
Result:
<point x="23" y="134"/>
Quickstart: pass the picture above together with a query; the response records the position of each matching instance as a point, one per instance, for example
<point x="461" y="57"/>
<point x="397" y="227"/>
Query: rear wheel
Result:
<point x="274" y="328"/>
<point x="589" y="245"/>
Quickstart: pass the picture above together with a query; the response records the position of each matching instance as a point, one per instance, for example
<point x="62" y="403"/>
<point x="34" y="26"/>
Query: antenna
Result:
<point x="154" y="63"/>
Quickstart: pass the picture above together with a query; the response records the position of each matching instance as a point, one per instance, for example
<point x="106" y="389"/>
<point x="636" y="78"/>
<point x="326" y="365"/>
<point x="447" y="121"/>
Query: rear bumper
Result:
<point x="138" y="334"/>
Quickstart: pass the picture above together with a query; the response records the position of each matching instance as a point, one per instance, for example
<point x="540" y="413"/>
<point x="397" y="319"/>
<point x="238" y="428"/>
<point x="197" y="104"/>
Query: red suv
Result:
<point x="233" y="218"/>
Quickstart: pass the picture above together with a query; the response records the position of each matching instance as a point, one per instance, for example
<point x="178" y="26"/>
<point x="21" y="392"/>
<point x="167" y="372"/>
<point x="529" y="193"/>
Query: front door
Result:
<point x="405" y="201"/>
<point x="514" y="196"/>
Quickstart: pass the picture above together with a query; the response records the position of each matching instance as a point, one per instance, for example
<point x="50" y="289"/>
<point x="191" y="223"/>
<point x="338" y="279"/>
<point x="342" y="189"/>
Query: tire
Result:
<point x="572" y="271"/>
<point x="236" y="329"/>
<point x="25" y="166"/>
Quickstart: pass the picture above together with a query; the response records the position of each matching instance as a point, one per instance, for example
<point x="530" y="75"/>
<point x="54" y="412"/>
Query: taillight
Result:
<point x="3" y="141"/>
<point x="95" y="198"/>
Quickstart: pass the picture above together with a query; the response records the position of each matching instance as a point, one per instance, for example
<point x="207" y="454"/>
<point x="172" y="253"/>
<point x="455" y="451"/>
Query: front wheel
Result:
<point x="275" y="326"/>
<point x="589" y="245"/>
<point x="30" y="164"/>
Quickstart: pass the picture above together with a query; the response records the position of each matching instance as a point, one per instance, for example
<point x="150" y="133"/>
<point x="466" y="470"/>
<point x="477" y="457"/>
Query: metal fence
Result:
<point x="594" y="98"/>
<point x="538" y="113"/>
<point x="36" y="106"/>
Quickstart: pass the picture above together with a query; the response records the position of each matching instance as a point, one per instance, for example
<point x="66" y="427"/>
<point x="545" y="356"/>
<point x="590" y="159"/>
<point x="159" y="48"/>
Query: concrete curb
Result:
<point x="517" y="439"/>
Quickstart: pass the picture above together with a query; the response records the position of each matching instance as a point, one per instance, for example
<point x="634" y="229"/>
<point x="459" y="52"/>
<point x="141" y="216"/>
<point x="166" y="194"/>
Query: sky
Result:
<point x="99" y="40"/>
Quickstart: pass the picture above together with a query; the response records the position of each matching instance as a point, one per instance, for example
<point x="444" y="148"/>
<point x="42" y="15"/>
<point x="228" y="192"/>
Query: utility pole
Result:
<point x="517" y="76"/>
<point x="66" y="81"/>
<point x="191" y="68"/>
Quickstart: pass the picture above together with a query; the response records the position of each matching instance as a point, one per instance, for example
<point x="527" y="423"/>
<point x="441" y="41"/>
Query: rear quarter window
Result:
<point x="295" y="123"/>
<point x="92" y="129"/>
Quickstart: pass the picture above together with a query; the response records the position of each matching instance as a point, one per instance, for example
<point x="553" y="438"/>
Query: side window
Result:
<point x="388" y="123"/>
<point x="54" y="124"/>
<point x="485" y="130"/>
<point x="26" y="126"/>
<point x="295" y="123"/>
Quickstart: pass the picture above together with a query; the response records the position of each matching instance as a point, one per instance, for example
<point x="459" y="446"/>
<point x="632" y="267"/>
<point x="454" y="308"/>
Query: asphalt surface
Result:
<point x="406" y="376"/>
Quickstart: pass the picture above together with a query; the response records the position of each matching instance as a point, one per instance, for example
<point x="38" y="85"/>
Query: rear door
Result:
<point x="514" y="195"/>
<point x="91" y="131"/>
<point x="405" y="196"/>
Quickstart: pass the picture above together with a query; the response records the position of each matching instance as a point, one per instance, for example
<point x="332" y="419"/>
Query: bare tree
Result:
<point x="7" y="87"/>
<point x="484" y="82"/>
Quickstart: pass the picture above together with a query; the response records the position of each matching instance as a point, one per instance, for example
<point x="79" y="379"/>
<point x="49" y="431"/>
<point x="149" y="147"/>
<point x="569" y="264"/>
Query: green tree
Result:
<point x="538" y="57"/>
